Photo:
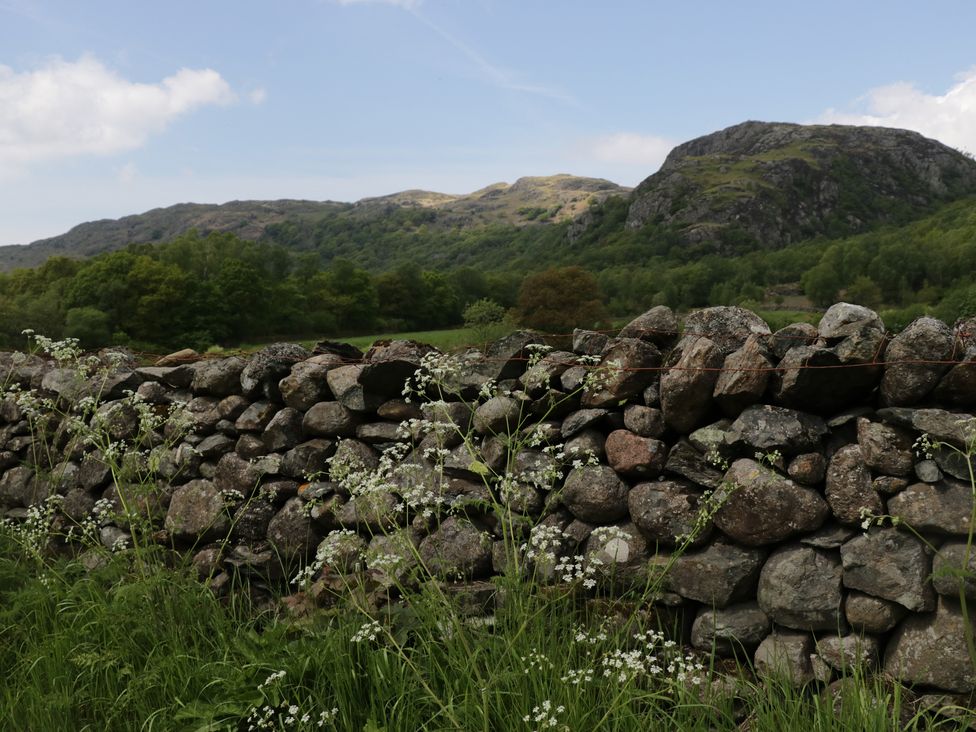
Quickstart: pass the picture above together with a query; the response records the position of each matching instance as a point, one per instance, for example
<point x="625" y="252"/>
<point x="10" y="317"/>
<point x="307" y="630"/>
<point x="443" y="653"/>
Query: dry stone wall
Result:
<point x="820" y="531"/>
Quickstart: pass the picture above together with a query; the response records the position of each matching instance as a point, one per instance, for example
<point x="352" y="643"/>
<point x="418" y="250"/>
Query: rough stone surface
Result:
<point x="658" y="326"/>
<point x="498" y="415"/>
<point x="388" y="365"/>
<point x="595" y="493"/>
<point x="626" y="369"/>
<point x="941" y="508"/>
<point x="686" y="461"/>
<point x="457" y="549"/>
<point x="220" y="377"/>
<point x="344" y="383"/>
<point x="870" y="614"/>
<point x="731" y="629"/>
<point x="305" y="385"/>
<point x="687" y="385"/>
<point x="264" y="369"/>
<point x="800" y="587"/>
<point x="292" y="532"/>
<point x="905" y="381"/>
<point x="330" y="419"/>
<point x="810" y="468"/>
<point x="890" y="564"/>
<point x="940" y="424"/>
<point x="718" y="574"/>
<point x="760" y="507"/>
<point x="931" y="649"/>
<point x="849" y="490"/>
<point x="845" y="653"/>
<point x="886" y="449"/>
<point x="644" y="421"/>
<point x="765" y="428"/>
<point x="197" y="511"/>
<point x="786" y="656"/>
<point x="256" y="417"/>
<point x="727" y="326"/>
<point x="634" y="456"/>
<point x="951" y="574"/>
<point x="665" y="511"/>
<point x="744" y="377"/>
<point x="794" y="334"/>
<point x="844" y="319"/>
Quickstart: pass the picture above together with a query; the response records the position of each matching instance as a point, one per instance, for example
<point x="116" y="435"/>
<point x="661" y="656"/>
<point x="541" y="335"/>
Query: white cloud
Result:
<point x="629" y="148"/>
<point x="257" y="96"/>
<point x="127" y="173"/>
<point x="949" y="117"/>
<point x="68" y="108"/>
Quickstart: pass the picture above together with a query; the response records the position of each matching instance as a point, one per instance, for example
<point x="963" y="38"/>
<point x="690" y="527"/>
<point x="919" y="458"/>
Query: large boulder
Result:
<point x="668" y="512"/>
<point x="718" y="574"/>
<point x="658" y="326"/>
<point x="849" y="490"/>
<point x="626" y="369"/>
<point x="758" y="507"/>
<point x="942" y="508"/>
<point x="954" y="570"/>
<point x="907" y="379"/>
<point x="727" y="326"/>
<point x="634" y="456"/>
<point x="219" y="377"/>
<point x="886" y="449"/>
<point x="800" y="587"/>
<point x="889" y="564"/>
<point x="687" y="385"/>
<point x="729" y="630"/>
<point x="267" y="367"/>
<point x="458" y="549"/>
<point x="330" y="419"/>
<point x="595" y="493"/>
<point x="744" y="376"/>
<point x="765" y="428"/>
<point x="197" y="513"/>
<point x="306" y="384"/>
<point x="292" y="532"/>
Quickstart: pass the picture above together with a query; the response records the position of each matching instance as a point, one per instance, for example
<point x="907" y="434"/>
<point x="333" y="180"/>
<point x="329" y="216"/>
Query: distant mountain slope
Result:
<point x="528" y="200"/>
<point x="776" y="183"/>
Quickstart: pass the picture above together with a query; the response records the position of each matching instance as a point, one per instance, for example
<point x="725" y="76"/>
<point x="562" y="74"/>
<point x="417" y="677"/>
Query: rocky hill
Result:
<point x="528" y="200"/>
<point x="770" y="184"/>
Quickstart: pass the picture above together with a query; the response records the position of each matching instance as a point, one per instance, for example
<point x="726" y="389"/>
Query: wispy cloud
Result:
<point x="631" y="148"/>
<point x="68" y="108"/>
<point x="948" y="117"/>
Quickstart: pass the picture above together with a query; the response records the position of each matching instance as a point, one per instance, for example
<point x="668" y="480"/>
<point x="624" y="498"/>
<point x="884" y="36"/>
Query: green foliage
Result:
<point x="89" y="325"/>
<point x="486" y="318"/>
<point x="560" y="299"/>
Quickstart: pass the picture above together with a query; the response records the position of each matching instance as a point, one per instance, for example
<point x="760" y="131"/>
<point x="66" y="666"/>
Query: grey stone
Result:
<point x="928" y="471"/>
<point x="786" y="656"/>
<point x="344" y="382"/>
<point x="886" y="449"/>
<point x="581" y="420"/>
<point x="215" y="446"/>
<point x="18" y="487"/>
<point x="197" y="513"/>
<point x="958" y="386"/>
<point x="667" y="511"/>
<point x="379" y="432"/>
<point x="498" y="415"/>
<point x="729" y="630"/>
<point x="388" y="365"/>
<point x="800" y="587"/>
<point x="758" y="506"/>
<point x="744" y="376"/>
<point x="371" y="512"/>
<point x="870" y="614"/>
<point x="595" y="493"/>
<point x="658" y="326"/>
<point x="905" y="380"/>
<point x="283" y="431"/>
<point x="644" y="421"/>
<point x="794" y="334"/>
<point x="292" y="532"/>
<point x="718" y="574"/>
<point x="330" y="419"/>
<point x="457" y="549"/>
<point x="305" y="385"/>
<point x="250" y="446"/>
<point x="848" y="487"/>
<point x="847" y="653"/>
<point x="931" y="649"/>
<point x="727" y="326"/>
<point x="686" y="461"/>
<point x="952" y="427"/>
<point x="233" y="406"/>
<point x="844" y="319"/>
<point x="952" y="573"/>
<point x="220" y="377"/>
<point x="627" y="368"/>
<point x="264" y="369"/>
<point x="251" y="520"/>
<point x="810" y="468"/>
<point x="890" y="564"/>
<point x="688" y="384"/>
<point x="829" y="536"/>
<point x="941" y="508"/>
<point x="765" y="428"/>
<point x="589" y="342"/>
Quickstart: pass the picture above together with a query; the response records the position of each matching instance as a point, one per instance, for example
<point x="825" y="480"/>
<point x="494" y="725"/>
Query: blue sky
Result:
<point x="112" y="107"/>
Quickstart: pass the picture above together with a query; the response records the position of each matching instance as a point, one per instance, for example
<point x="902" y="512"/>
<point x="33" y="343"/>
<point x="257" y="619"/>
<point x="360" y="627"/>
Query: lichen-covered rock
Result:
<point x="730" y="630"/>
<point x="667" y="512"/>
<point x="686" y="461"/>
<point x="220" y="377"/>
<point x="589" y="342"/>
<point x="849" y="490"/>
<point x="844" y="319"/>
<point x="330" y="419"/>
<point x="688" y="384"/>
<point x="627" y="368"/>
<point x="764" y="428"/>
<point x="306" y="385"/>
<point x="251" y="520"/>
<point x="283" y="431"/>
<point x="786" y="656"/>
<point x="794" y="334"/>
<point x="758" y="506"/>
<point x="727" y="326"/>
<point x="941" y="508"/>
<point x="498" y="415"/>
<point x="800" y="587"/>
<point x="847" y="653"/>
<point x="595" y="493"/>
<point x="658" y="326"/>
<point x="939" y="424"/>
<point x="264" y="369"/>
<point x="635" y="456"/>
<point x="458" y="549"/>
<point x="197" y="513"/>
<point x="236" y="474"/>
<point x="718" y="574"/>
<point x="644" y="421"/>
<point x="931" y="649"/>
<point x="744" y="376"/>
<point x="255" y="417"/>
<point x="292" y="532"/>
<point x="388" y="365"/>
<point x="890" y="564"/>
<point x="870" y="614"/>
<point x="951" y="574"/>
<point x="810" y="468"/>
<point x="886" y="449"/>
<point x="905" y="380"/>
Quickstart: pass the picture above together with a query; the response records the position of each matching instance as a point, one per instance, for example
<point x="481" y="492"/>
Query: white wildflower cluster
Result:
<point x="368" y="632"/>
<point x="339" y="546"/>
<point x="386" y="563"/>
<point x="36" y="529"/>
<point x="925" y="446"/>
<point x="546" y="716"/>
<point x="605" y="374"/>
<point x="579" y="569"/>
<point x="715" y="458"/>
<point x="438" y="373"/>
<point x="536" y="374"/>
<point x="869" y="518"/>
<point x="770" y="458"/>
<point x="231" y="496"/>
<point x="654" y="657"/>
<point x="544" y="543"/>
<point x="285" y="715"/>
<point x="536" y="661"/>
<point x="65" y="351"/>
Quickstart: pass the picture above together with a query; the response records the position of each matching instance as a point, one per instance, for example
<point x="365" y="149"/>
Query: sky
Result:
<point x="114" y="107"/>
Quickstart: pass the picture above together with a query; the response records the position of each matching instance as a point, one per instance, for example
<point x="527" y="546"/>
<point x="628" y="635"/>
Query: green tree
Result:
<point x="559" y="299"/>
<point x="485" y="317"/>
<point x="89" y="325"/>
